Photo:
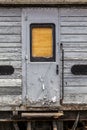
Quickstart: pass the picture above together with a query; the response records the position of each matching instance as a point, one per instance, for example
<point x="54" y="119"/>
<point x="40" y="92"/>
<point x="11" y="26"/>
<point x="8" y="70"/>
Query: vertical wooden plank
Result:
<point x="54" y="125"/>
<point x="29" y="125"/>
<point x="16" y="126"/>
<point x="60" y="125"/>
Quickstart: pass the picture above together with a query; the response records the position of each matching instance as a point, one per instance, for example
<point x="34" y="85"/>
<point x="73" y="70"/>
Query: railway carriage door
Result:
<point x="40" y="33"/>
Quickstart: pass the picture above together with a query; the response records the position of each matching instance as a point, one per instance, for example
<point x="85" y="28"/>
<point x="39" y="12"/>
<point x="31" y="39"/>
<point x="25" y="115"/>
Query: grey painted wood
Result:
<point x="10" y="30"/>
<point x="75" y="56"/>
<point x="9" y="100"/>
<point x="73" y="36"/>
<point x="6" y="24"/>
<point x="10" y="38"/>
<point x="15" y="64"/>
<point x="73" y="12"/>
<point x="10" y="50"/>
<point x="40" y="76"/>
<point x="74" y="24"/>
<point x="24" y="56"/>
<point x="74" y="30"/>
<point x="73" y="19"/>
<point x="10" y="82"/>
<point x="75" y="98"/>
<point x="75" y="81"/>
<point x="10" y="19"/>
<point x="16" y="75"/>
<point x="10" y="45"/>
<point x="69" y="64"/>
<point x="76" y="49"/>
<point x="10" y="91"/>
<point x="10" y="12"/>
<point x="10" y="54"/>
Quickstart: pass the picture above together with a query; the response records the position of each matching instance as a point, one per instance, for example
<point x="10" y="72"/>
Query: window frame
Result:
<point x="43" y="59"/>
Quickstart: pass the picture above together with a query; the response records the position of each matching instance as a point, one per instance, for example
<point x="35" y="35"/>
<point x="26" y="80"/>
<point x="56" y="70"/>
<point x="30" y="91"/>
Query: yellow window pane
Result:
<point x="42" y="41"/>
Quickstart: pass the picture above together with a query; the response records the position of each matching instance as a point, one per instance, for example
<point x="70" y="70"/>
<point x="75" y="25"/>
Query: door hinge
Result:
<point x="26" y="57"/>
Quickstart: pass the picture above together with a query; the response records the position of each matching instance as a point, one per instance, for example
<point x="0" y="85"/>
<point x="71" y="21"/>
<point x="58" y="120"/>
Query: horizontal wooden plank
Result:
<point x="74" y="44"/>
<point x="10" y="56"/>
<point x="82" y="3"/>
<point x="10" y="30"/>
<point x="10" y="50"/>
<point x="70" y="75"/>
<point x="75" y="98"/>
<point x="8" y="100"/>
<point x="10" y="19"/>
<point x="42" y="114"/>
<point x="10" y="91"/>
<point x="10" y="38"/>
<point x="73" y="38"/>
<point x="73" y="12"/>
<point x="73" y="19"/>
<point x="68" y="64"/>
<point x="75" y="81"/>
<point x="10" y="12"/>
<point x="73" y="30"/>
<point x="75" y="56"/>
<point x="76" y="90"/>
<point x="67" y="71"/>
<point x="75" y="49"/>
<point x="73" y="24"/>
<point x="15" y="64"/>
<point x="10" y="83"/>
<point x="11" y="24"/>
<point x="75" y="77"/>
<point x="16" y="75"/>
<point x="10" y="45"/>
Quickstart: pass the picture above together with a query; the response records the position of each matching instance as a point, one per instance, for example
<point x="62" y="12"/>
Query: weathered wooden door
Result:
<point x="40" y="32"/>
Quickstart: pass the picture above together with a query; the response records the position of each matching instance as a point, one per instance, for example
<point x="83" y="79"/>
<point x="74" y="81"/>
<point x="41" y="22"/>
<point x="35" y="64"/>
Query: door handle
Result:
<point x="57" y="69"/>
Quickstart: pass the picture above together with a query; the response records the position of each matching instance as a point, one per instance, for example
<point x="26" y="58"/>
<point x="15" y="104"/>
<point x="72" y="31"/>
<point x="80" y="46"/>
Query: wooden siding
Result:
<point x="73" y="35"/>
<point x="10" y="54"/>
<point x="22" y="2"/>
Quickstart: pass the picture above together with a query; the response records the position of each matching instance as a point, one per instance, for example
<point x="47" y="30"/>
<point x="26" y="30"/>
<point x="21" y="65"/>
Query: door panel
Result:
<point x="41" y="39"/>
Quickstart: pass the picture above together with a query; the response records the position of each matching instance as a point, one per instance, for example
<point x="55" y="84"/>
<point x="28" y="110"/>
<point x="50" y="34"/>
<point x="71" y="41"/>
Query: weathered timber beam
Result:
<point x="43" y="2"/>
<point x="34" y="115"/>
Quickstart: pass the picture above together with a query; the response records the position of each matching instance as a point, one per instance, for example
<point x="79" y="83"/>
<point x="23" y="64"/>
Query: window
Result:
<point x="6" y="70"/>
<point x="42" y="44"/>
<point x="79" y="69"/>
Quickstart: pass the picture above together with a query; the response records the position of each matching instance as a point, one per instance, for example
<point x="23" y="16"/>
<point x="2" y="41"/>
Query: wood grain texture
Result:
<point x="73" y="36"/>
<point x="10" y="51"/>
<point x="10" y="30"/>
<point x="75" y="98"/>
<point x="8" y="100"/>
<point x="21" y="2"/>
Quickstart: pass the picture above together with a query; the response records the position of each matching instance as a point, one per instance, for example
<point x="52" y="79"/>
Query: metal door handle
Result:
<point x="57" y="69"/>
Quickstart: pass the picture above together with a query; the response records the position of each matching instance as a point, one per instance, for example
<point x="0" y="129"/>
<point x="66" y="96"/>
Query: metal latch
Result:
<point x="57" y="69"/>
